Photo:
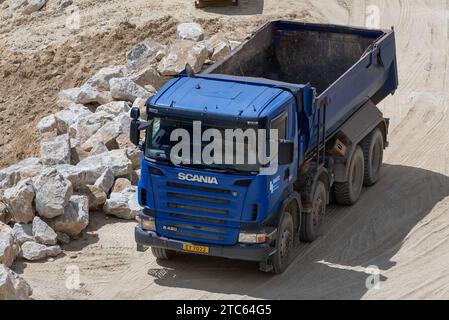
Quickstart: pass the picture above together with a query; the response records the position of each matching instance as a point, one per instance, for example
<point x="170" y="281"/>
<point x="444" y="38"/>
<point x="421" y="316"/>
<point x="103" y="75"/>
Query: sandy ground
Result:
<point x="401" y="225"/>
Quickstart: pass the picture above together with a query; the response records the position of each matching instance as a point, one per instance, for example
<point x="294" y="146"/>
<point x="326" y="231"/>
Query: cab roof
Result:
<point x="221" y="95"/>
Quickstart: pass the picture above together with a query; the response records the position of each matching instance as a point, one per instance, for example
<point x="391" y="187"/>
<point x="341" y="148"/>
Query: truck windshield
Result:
<point x="158" y="146"/>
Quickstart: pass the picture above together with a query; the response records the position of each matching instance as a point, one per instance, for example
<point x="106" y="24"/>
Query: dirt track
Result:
<point x="400" y="225"/>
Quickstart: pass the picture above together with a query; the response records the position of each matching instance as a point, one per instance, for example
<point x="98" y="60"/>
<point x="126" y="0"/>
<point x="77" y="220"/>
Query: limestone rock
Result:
<point x="123" y="205"/>
<point x="23" y="233"/>
<point x="19" y="201"/>
<point x="221" y="50"/>
<point x="79" y="175"/>
<point x="86" y="126"/>
<point x="63" y="238"/>
<point x="149" y="76"/>
<point x="120" y="185"/>
<point x="124" y="142"/>
<point x="75" y="218"/>
<point x="150" y="89"/>
<point x="12" y="286"/>
<point x="190" y="31"/>
<point x="116" y="160"/>
<point x="97" y="197"/>
<point x="100" y="80"/>
<point x="33" y="251"/>
<point x="80" y="153"/>
<point x="56" y="150"/>
<point x="84" y="95"/>
<point x="8" y="246"/>
<point x="69" y="94"/>
<point x="47" y="124"/>
<point x="143" y="53"/>
<point x="88" y="170"/>
<point x="114" y="108"/>
<point x="181" y="53"/>
<point x="89" y="94"/>
<point x="105" y="135"/>
<point x="105" y="181"/>
<point x="69" y="117"/>
<point x="53" y="192"/>
<point x="135" y="177"/>
<point x="10" y="176"/>
<point x="135" y="156"/>
<point x="43" y="233"/>
<point x="5" y="215"/>
<point x="126" y="89"/>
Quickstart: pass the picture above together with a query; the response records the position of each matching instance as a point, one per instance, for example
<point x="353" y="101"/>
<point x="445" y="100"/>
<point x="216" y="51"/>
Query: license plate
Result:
<point x="193" y="248"/>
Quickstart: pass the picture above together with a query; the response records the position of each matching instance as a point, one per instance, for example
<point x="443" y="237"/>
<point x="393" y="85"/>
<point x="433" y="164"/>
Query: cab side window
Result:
<point x="280" y="123"/>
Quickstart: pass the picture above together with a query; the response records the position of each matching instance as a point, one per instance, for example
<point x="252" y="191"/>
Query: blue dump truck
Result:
<point x="318" y="85"/>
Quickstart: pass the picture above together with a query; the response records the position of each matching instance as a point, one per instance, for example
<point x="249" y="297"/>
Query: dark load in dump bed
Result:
<point x="347" y="66"/>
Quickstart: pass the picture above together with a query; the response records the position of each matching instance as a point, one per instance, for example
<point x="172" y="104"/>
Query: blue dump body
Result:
<point x="316" y="77"/>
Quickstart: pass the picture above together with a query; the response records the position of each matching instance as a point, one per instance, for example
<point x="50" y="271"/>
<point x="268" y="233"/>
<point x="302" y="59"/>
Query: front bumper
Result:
<point x="259" y="252"/>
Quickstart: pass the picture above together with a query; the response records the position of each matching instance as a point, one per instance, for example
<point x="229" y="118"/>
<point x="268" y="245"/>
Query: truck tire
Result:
<point x="373" y="152"/>
<point x="313" y="221"/>
<point x="347" y="193"/>
<point x="284" y="243"/>
<point x="162" y="254"/>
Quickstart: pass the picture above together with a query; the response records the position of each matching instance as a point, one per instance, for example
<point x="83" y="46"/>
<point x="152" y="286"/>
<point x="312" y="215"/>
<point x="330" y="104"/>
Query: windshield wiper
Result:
<point x="162" y="160"/>
<point x="201" y="167"/>
<point x="216" y="169"/>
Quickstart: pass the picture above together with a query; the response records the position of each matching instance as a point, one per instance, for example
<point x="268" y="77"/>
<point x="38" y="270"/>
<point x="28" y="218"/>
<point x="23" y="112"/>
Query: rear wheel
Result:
<point x="162" y="254"/>
<point x="313" y="221"/>
<point x="347" y="193"/>
<point x="373" y="152"/>
<point x="284" y="243"/>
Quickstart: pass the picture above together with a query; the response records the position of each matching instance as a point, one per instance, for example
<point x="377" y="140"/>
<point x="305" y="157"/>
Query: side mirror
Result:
<point x="135" y="113"/>
<point x="137" y="126"/>
<point x="134" y="132"/>
<point x="286" y="152"/>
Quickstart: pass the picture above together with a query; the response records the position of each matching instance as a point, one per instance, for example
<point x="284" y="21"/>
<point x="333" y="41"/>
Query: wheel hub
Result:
<point x="285" y="243"/>
<point x="317" y="211"/>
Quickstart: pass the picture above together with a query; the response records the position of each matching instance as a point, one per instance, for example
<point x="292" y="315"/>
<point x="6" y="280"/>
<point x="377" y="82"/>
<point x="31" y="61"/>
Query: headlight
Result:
<point x="245" y="237"/>
<point x="147" y="224"/>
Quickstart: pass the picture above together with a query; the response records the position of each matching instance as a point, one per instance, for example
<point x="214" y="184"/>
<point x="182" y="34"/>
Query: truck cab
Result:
<point x="233" y="207"/>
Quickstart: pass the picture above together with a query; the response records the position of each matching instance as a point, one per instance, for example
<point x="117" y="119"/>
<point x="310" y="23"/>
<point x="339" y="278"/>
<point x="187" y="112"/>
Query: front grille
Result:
<point x="202" y="213"/>
<point x="197" y="208"/>
<point x="197" y="188"/>
<point x="195" y="218"/>
<point x="197" y="198"/>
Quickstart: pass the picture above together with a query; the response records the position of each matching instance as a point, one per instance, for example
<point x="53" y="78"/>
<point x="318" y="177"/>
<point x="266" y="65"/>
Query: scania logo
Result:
<point x="197" y="178"/>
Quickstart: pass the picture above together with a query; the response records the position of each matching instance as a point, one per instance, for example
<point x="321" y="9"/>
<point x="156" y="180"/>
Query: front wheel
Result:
<point x="162" y="254"/>
<point x="284" y="243"/>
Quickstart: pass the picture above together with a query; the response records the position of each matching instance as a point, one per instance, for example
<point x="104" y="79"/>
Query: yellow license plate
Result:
<point x="193" y="248"/>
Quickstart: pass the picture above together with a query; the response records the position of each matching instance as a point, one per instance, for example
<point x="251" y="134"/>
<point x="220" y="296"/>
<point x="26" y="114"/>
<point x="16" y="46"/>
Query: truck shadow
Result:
<point x="245" y="7"/>
<point x="334" y="267"/>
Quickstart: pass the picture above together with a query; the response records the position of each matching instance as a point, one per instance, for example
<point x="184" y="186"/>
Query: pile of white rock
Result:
<point x="87" y="162"/>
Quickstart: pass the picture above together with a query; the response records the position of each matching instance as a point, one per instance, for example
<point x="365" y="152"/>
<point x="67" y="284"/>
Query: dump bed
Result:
<point x="347" y="66"/>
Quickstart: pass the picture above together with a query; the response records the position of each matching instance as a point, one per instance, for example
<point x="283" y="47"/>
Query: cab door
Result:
<point x="285" y="122"/>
